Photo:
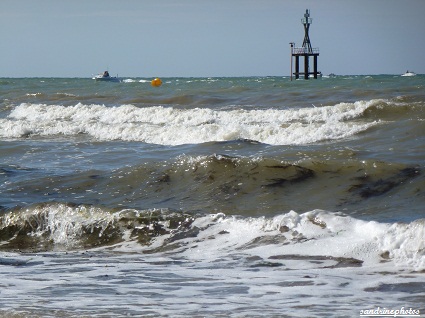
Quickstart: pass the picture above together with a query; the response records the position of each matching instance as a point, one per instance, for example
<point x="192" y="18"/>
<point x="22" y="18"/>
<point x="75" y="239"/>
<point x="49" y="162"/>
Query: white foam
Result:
<point x="241" y="231"/>
<point x="227" y="265"/>
<point x="314" y="233"/>
<point x="405" y="243"/>
<point x="174" y="126"/>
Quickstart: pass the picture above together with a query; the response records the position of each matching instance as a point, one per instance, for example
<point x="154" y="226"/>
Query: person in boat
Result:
<point x="106" y="74"/>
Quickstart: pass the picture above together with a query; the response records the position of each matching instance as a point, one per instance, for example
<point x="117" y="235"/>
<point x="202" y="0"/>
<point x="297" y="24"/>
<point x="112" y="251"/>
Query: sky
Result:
<point x="207" y="38"/>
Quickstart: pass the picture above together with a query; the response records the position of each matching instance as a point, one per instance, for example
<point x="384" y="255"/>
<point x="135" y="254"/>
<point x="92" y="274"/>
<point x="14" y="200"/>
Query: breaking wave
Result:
<point x="174" y="126"/>
<point x="326" y="239"/>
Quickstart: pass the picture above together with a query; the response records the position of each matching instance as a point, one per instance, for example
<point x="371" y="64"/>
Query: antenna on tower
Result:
<point x="306" y="21"/>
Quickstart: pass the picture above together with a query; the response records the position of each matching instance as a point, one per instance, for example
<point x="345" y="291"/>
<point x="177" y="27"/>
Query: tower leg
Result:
<point x="306" y="67"/>
<point x="297" y="67"/>
<point x="315" y="66"/>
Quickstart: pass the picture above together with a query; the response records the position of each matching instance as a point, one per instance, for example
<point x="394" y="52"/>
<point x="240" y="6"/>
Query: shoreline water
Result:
<point x="210" y="196"/>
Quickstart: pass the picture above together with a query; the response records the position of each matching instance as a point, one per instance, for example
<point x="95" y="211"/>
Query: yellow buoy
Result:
<point x="156" y="82"/>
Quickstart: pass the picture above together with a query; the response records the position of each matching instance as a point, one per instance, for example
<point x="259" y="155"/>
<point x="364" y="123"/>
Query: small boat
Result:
<point x="409" y="74"/>
<point x="106" y="78"/>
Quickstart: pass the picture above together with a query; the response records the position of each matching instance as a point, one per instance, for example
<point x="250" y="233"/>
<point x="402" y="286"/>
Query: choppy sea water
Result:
<point x="221" y="197"/>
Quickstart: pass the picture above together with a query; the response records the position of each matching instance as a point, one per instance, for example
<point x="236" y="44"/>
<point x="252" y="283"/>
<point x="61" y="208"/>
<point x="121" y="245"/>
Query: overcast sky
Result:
<point x="149" y="38"/>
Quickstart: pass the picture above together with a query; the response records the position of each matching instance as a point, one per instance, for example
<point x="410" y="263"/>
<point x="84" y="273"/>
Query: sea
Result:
<point x="213" y="197"/>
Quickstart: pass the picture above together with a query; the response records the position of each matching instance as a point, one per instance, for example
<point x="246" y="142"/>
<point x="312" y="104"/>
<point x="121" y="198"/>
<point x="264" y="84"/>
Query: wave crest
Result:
<point x="174" y="126"/>
<point x="318" y="234"/>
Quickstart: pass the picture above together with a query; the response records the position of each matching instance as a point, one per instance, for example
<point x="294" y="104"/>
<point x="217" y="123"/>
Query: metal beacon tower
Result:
<point x="306" y="50"/>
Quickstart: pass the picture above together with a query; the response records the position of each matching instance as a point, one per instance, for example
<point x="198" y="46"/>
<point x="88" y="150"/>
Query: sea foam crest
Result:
<point x="64" y="225"/>
<point x="173" y="126"/>
<point x="317" y="233"/>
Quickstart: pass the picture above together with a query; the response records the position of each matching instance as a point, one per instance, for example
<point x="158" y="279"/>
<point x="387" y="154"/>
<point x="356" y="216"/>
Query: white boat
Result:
<point x="409" y="74"/>
<point x="106" y="78"/>
<point x="102" y="78"/>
